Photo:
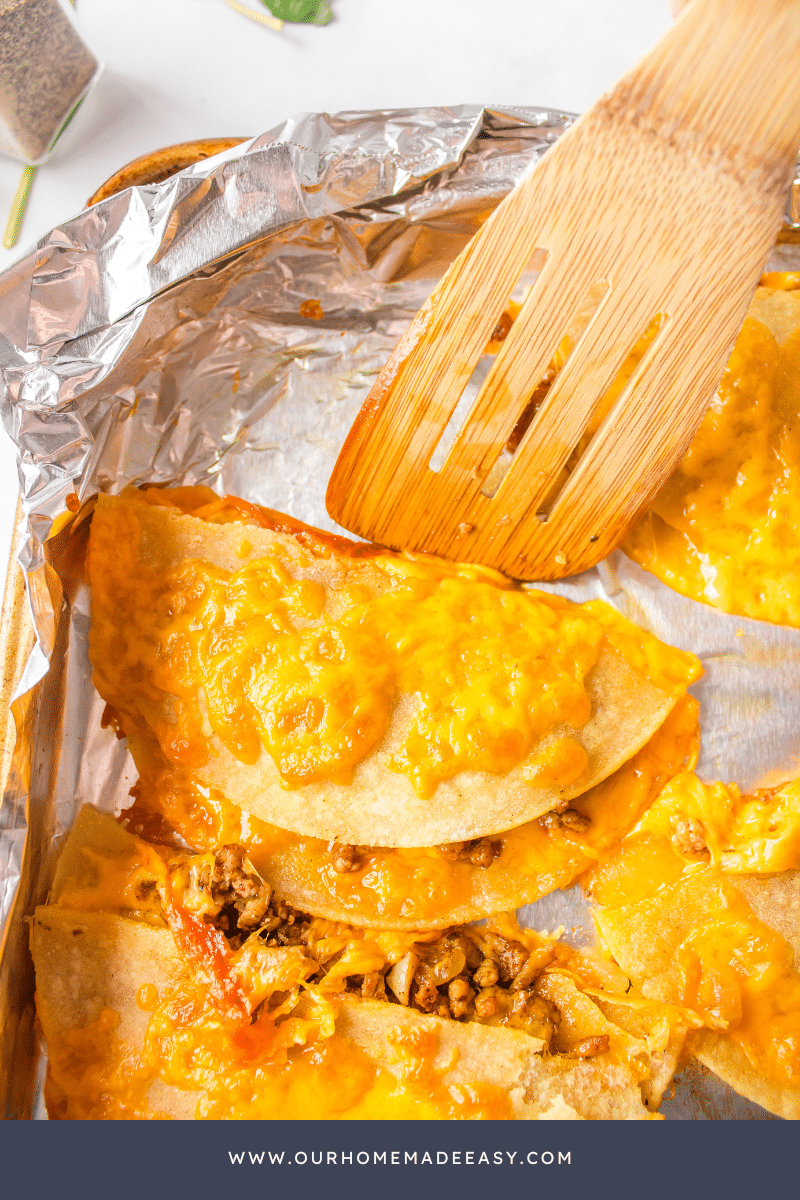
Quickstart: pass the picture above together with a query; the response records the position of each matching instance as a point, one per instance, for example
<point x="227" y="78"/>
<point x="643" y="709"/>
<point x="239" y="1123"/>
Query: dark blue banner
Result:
<point x="584" y="1160"/>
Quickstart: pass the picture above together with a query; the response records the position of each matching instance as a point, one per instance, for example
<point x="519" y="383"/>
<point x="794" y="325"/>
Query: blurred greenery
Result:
<point x="306" y="12"/>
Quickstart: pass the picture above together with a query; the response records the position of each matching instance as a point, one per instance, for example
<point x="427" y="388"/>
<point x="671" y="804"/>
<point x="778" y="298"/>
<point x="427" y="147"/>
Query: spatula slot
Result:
<point x="503" y="325"/>
<point x="566" y="347"/>
<point x="625" y="379"/>
<point x="460" y="413"/>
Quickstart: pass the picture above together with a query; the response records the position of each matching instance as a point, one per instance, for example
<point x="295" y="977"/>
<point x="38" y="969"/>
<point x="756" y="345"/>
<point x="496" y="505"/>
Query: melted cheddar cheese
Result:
<point x="253" y="1026"/>
<point x="404" y="886"/>
<point x="733" y="970"/>
<point x="752" y="834"/>
<point x="319" y="696"/>
<point x="263" y="659"/>
<point x="739" y="975"/>
<point x="724" y="528"/>
<point x="242" y="1071"/>
<point x="332" y="1079"/>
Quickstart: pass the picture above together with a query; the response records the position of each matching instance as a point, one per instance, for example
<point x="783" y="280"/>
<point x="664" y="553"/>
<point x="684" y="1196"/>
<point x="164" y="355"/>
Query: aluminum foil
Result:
<point x="158" y="337"/>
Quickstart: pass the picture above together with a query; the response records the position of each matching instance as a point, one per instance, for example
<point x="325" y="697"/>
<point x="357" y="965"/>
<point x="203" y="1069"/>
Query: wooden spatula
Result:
<point x="653" y="216"/>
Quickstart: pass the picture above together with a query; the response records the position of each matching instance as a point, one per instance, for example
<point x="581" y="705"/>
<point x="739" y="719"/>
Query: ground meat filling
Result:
<point x="229" y="893"/>
<point x="481" y="852"/>
<point x="592" y="1046"/>
<point x="570" y="819"/>
<point x="470" y="973"/>
<point x="346" y="859"/>
<point x="689" y="837"/>
<point x="467" y="973"/>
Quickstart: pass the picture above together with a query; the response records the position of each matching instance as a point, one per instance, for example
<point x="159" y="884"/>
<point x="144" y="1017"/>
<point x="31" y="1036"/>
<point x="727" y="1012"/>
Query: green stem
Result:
<point x="18" y="207"/>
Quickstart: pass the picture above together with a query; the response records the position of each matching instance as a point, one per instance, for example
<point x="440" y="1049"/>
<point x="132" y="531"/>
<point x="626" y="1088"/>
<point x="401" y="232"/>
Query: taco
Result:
<point x="177" y="985"/>
<point x="699" y="905"/>
<point x="350" y="694"/>
<point x="424" y="887"/>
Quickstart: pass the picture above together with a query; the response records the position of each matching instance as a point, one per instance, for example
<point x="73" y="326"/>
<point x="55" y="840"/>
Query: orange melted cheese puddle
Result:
<point x="724" y="529"/>
<point x="243" y="1072"/>
<point x="735" y="972"/>
<point x="301" y="1069"/>
<point x="267" y="660"/>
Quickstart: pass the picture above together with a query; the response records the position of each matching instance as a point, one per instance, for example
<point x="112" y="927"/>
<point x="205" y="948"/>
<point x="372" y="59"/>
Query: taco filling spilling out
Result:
<point x="179" y="985"/>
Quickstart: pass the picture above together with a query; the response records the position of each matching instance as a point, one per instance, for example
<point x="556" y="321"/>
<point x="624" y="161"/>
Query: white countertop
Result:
<point x="182" y="69"/>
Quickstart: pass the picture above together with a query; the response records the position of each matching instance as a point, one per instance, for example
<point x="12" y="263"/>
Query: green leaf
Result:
<point x="305" y="12"/>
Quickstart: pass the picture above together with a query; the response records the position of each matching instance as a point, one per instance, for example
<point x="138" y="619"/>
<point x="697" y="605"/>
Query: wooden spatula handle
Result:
<point x="708" y="77"/>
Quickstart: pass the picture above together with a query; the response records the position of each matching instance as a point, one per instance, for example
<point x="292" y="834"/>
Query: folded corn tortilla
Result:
<point x="138" y="549"/>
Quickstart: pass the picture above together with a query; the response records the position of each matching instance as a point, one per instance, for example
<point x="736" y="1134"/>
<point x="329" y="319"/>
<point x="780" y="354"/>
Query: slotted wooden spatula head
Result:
<point x="650" y="220"/>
